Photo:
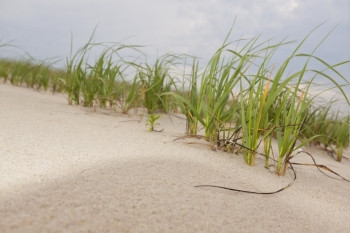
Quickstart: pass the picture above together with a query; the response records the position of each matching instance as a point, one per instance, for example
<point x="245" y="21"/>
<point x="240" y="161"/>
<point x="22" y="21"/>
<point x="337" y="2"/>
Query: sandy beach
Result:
<point x="72" y="169"/>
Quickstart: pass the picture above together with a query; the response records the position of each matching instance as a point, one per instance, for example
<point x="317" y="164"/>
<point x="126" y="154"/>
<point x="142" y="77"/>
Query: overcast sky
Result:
<point x="196" y="27"/>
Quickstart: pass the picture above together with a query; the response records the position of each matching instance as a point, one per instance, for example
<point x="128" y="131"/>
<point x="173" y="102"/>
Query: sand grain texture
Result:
<point x="69" y="169"/>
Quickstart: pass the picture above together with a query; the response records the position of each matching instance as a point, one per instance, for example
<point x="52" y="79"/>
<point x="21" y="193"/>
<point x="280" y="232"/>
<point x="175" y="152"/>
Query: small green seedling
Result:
<point x="151" y="121"/>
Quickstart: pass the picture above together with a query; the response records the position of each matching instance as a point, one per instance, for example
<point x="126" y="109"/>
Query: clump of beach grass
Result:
<point x="270" y="104"/>
<point x="98" y="82"/>
<point x="154" y="81"/>
<point x="39" y="75"/>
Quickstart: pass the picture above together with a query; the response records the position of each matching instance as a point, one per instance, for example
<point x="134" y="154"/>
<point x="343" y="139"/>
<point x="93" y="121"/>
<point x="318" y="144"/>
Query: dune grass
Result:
<point x="332" y="127"/>
<point x="272" y="105"/>
<point x="155" y="80"/>
<point x="39" y="75"/>
<point x="239" y="97"/>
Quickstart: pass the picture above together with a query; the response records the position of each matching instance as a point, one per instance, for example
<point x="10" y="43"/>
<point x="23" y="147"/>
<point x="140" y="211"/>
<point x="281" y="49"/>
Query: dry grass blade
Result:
<point x="253" y="192"/>
<point x="319" y="167"/>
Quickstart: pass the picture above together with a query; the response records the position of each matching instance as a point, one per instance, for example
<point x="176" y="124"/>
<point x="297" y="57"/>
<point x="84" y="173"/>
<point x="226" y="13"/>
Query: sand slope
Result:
<point x="69" y="169"/>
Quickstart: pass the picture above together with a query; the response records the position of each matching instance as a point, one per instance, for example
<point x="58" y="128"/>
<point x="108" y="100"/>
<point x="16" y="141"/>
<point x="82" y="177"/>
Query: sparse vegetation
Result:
<point x="239" y="97"/>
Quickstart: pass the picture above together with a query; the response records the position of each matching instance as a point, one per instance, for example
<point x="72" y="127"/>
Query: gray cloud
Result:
<point x="196" y="27"/>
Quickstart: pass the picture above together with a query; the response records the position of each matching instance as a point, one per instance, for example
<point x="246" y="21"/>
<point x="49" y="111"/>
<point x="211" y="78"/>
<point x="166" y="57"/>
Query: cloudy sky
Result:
<point x="196" y="27"/>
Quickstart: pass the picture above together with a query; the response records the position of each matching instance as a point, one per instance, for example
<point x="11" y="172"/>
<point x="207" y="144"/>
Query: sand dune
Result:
<point x="70" y="169"/>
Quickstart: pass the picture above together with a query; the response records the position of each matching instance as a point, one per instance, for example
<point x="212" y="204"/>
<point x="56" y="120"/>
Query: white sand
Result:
<point x="69" y="169"/>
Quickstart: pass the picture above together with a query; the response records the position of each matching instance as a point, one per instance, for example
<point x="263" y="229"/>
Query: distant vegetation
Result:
<point x="269" y="104"/>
